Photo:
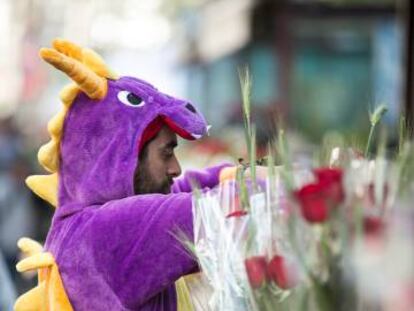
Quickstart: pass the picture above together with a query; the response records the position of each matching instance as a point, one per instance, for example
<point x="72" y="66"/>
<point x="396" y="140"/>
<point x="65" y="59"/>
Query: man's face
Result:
<point x="157" y="164"/>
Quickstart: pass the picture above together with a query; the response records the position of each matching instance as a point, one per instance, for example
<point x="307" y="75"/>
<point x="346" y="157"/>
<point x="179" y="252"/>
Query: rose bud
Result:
<point x="282" y="273"/>
<point x="331" y="178"/>
<point x="373" y="226"/>
<point x="256" y="270"/>
<point x="312" y="202"/>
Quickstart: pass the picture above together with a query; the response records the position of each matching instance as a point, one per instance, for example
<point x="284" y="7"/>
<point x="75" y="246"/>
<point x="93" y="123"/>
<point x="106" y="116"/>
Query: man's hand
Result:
<point x="261" y="172"/>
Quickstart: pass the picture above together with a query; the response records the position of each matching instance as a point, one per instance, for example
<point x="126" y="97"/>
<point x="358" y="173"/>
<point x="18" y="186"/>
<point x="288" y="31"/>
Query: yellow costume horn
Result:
<point x="88" y="81"/>
<point x="68" y="48"/>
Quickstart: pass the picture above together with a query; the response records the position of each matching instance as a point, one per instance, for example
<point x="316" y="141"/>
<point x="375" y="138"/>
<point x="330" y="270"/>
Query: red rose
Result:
<point x="313" y="202"/>
<point x="373" y="226"/>
<point x="282" y="273"/>
<point x="316" y="199"/>
<point x="331" y="178"/>
<point x="328" y="174"/>
<point x="256" y="270"/>
<point x="374" y="234"/>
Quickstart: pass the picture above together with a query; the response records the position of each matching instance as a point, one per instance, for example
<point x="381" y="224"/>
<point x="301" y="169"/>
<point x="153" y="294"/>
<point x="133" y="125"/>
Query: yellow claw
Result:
<point x="36" y="261"/>
<point x="45" y="186"/>
<point x="29" y="246"/>
<point x="33" y="300"/>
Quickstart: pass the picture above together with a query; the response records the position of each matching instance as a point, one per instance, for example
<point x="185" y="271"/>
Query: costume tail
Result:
<point x="49" y="294"/>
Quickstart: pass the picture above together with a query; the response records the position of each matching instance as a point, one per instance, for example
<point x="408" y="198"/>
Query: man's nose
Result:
<point x="174" y="169"/>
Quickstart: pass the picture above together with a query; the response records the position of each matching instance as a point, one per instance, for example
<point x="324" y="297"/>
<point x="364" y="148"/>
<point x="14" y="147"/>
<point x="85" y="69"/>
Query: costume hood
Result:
<point x="96" y="138"/>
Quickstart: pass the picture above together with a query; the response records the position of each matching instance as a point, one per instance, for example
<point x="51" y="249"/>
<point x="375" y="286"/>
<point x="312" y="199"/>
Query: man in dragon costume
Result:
<point x="109" y="248"/>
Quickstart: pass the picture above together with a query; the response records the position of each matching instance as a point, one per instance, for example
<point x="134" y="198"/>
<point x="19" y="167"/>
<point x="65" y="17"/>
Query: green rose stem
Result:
<point x="374" y="119"/>
<point x="402" y="134"/>
<point x="253" y="157"/>
<point x="265" y="299"/>
<point x="287" y="172"/>
<point x="404" y="158"/>
<point x="244" y="197"/>
<point x="246" y="85"/>
<point x="249" y="130"/>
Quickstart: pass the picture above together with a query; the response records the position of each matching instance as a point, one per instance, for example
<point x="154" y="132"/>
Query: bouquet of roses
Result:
<point x="335" y="236"/>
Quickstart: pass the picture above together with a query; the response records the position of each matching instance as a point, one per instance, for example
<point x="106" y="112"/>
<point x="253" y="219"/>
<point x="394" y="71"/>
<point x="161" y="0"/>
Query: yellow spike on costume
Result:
<point x="36" y="261"/>
<point x="45" y="186"/>
<point x="48" y="156"/>
<point x="33" y="300"/>
<point x="68" y="94"/>
<point x="68" y="48"/>
<point x="55" y="125"/>
<point x="89" y="82"/>
<point x="29" y="247"/>
<point x="95" y="62"/>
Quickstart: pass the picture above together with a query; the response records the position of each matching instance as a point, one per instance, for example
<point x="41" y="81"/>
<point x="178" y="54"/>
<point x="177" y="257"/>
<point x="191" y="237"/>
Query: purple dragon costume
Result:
<point x="108" y="249"/>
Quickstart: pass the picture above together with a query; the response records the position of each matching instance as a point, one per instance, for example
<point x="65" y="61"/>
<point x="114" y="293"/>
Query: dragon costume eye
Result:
<point x="130" y="99"/>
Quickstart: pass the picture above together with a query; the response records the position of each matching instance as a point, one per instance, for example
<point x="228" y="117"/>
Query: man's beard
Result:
<point x="144" y="183"/>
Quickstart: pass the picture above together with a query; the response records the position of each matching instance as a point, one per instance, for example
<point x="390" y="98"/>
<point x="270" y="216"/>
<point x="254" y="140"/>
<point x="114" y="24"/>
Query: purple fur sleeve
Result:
<point x="134" y="244"/>
<point x="207" y="178"/>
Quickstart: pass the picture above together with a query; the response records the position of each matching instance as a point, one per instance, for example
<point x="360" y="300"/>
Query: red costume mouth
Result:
<point x="154" y="127"/>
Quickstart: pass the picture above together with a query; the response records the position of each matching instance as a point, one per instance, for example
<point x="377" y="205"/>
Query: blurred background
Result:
<point x="317" y="65"/>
